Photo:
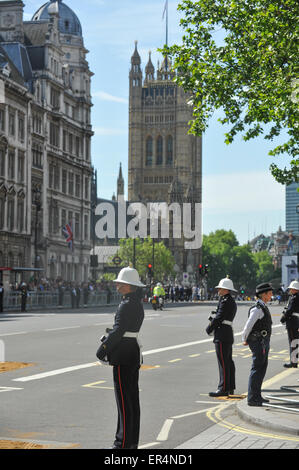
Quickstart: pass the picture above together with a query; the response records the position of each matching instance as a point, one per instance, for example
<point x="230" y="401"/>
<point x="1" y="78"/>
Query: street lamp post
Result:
<point x="37" y="203"/>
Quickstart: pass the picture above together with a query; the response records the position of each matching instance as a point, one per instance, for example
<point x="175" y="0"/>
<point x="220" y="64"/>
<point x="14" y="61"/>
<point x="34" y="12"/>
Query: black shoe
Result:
<point x="290" y="365"/>
<point x="255" y="403"/>
<point x="218" y="393"/>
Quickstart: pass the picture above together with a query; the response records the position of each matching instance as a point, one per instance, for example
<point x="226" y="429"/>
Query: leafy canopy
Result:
<point x="249" y="73"/>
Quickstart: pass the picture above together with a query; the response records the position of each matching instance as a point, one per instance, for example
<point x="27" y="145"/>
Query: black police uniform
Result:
<point x="123" y="352"/>
<point x="221" y="325"/>
<point x="291" y="318"/>
<point x="259" y="344"/>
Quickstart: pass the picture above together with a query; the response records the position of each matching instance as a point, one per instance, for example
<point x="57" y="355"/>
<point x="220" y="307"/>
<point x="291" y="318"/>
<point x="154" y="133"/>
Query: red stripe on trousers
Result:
<point x="123" y="406"/>
<point x="223" y="367"/>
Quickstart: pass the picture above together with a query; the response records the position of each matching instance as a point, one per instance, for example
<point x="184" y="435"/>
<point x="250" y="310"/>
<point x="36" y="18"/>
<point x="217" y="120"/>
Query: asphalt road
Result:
<point x="67" y="397"/>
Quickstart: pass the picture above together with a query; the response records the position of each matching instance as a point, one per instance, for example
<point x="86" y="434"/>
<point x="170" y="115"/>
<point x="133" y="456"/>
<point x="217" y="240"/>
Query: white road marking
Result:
<point x="91" y="364"/>
<point x="55" y="372"/>
<point x="163" y="434"/>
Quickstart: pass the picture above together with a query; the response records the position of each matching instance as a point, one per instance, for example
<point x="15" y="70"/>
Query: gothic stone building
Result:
<point x="45" y="134"/>
<point x="165" y="162"/>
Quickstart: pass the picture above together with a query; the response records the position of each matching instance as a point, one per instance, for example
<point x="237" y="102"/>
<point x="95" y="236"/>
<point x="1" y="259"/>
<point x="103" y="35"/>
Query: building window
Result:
<point x="86" y="225"/>
<point x="2" y="212"/>
<point x="55" y="98"/>
<point x="64" y="181"/>
<point x="21" y="128"/>
<point x="20" y="215"/>
<point x="37" y="155"/>
<point x="21" y="166"/>
<point x="11" y="123"/>
<point x="11" y="164"/>
<point x="11" y="215"/>
<point x="169" y="157"/>
<point x="149" y="151"/>
<point x="159" y="151"/>
<point x="71" y="184"/>
<point x="54" y="134"/>
<point x="2" y="120"/>
<point x="2" y="162"/>
<point x="78" y="186"/>
<point x="77" y="226"/>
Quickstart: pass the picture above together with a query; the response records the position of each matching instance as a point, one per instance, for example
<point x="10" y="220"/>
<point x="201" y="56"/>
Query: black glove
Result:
<point x="101" y="352"/>
<point x="209" y="330"/>
<point x="283" y="319"/>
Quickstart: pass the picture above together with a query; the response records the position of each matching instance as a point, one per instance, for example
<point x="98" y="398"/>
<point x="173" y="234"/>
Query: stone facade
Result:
<point x="165" y="162"/>
<point x="45" y="108"/>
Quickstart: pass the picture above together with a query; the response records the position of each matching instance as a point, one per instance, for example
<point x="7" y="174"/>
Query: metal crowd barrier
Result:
<point x="282" y="395"/>
<point x="38" y="300"/>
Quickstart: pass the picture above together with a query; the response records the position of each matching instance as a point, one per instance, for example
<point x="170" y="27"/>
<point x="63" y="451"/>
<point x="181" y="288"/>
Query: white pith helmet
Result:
<point x="129" y="276"/>
<point x="294" y="285"/>
<point x="226" y="283"/>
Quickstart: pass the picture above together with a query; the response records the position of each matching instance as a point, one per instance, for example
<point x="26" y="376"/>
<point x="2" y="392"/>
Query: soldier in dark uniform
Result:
<point x="1" y="297"/>
<point x="122" y="350"/>
<point x="256" y="335"/>
<point x="290" y="317"/>
<point x="221" y="327"/>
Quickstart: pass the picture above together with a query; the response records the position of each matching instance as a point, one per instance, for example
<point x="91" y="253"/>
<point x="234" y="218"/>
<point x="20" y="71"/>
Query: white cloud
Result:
<point x="102" y="95"/>
<point x="252" y="191"/>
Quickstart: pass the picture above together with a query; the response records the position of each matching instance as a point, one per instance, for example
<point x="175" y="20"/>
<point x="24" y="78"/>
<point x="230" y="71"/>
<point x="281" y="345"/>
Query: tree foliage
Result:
<point x="225" y="257"/>
<point x="160" y="256"/>
<point x="249" y="73"/>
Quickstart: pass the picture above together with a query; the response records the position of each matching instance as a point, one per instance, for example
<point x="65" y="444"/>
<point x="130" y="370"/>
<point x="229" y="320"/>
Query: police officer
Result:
<point x="122" y="350"/>
<point x="290" y="317"/>
<point x="221" y="327"/>
<point x="256" y="335"/>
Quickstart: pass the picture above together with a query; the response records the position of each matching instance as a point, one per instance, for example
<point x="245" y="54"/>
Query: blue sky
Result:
<point x="238" y="191"/>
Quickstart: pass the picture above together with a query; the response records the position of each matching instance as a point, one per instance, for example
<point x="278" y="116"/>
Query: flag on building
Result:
<point x="68" y="233"/>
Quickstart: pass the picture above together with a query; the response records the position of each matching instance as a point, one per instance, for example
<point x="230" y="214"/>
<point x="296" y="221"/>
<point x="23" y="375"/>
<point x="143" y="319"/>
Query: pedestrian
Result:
<point x="256" y="335"/>
<point x="290" y="317"/>
<point x="24" y="294"/>
<point x="78" y="296"/>
<point x="73" y="296"/>
<point x="122" y="350"/>
<point x="1" y="297"/>
<point x="221" y="326"/>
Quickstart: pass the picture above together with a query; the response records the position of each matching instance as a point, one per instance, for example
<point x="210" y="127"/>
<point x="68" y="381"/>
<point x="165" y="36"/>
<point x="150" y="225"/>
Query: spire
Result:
<point x="149" y="69"/>
<point x="135" y="72"/>
<point x="120" y="183"/>
<point x="135" y="59"/>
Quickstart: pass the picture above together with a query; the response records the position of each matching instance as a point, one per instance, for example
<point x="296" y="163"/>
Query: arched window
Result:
<point x="149" y="151"/>
<point x="159" y="151"/>
<point x="169" y="155"/>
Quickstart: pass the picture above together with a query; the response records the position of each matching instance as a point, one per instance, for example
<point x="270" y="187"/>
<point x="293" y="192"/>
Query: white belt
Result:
<point x="295" y="314"/>
<point x="227" y="322"/>
<point x="131" y="334"/>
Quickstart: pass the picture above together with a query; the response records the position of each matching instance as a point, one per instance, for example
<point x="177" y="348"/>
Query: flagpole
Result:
<point x="166" y="22"/>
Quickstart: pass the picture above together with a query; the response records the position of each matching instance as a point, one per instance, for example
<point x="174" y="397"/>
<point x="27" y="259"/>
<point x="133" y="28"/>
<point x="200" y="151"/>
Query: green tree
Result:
<point x="250" y="73"/>
<point x="163" y="259"/>
<point x="265" y="268"/>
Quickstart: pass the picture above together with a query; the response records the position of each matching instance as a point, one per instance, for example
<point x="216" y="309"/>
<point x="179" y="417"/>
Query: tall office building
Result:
<point x="292" y="208"/>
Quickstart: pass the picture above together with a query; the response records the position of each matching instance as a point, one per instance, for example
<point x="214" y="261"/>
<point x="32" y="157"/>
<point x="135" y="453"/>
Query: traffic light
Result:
<point x="206" y="268"/>
<point x="150" y="270"/>
<point x="200" y="269"/>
